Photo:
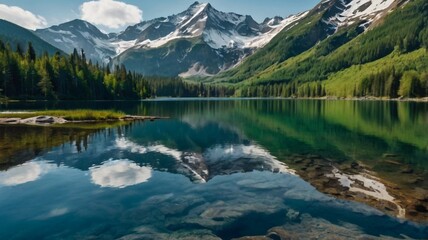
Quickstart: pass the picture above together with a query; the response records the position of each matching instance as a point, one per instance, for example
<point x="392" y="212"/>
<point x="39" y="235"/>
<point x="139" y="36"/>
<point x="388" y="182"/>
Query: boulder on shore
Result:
<point x="38" y="120"/>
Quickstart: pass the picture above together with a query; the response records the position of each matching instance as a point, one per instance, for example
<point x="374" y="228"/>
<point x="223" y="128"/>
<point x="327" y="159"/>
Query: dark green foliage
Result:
<point x="174" y="87"/>
<point x="337" y="40"/>
<point x="413" y="85"/>
<point x="26" y="76"/>
<point x="286" y="44"/>
<point x="401" y="30"/>
<point x="283" y="63"/>
<point x="285" y="90"/>
<point x="382" y="84"/>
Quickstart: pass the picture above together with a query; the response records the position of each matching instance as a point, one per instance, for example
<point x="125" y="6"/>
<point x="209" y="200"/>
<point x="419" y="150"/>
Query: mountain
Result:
<point x="13" y="35"/>
<point x="217" y="29"/>
<point x="326" y="19"/>
<point x="80" y="34"/>
<point x="339" y="48"/>
<point x="343" y="48"/>
<point x="199" y="41"/>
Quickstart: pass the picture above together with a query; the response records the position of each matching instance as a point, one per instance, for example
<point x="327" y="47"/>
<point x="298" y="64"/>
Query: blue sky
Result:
<point x="43" y="13"/>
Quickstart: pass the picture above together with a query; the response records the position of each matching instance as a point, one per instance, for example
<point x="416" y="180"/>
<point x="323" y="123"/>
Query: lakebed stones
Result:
<point x="408" y="201"/>
<point x="312" y="228"/>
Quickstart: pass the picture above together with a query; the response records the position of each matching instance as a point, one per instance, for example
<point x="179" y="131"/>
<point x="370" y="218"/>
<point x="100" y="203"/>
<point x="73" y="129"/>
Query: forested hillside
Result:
<point x="388" y="60"/>
<point x="24" y="75"/>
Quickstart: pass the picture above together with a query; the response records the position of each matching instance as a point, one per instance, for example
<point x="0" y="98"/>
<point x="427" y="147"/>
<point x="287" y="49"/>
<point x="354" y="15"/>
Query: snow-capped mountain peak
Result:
<point x="218" y="29"/>
<point x="227" y="37"/>
<point x="79" y="34"/>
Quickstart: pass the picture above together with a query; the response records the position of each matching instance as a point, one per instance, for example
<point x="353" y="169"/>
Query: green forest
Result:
<point x="26" y="76"/>
<point x="389" y="60"/>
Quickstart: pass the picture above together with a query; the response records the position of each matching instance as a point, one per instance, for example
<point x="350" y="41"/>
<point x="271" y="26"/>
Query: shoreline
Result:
<point x="327" y="98"/>
<point x="52" y="120"/>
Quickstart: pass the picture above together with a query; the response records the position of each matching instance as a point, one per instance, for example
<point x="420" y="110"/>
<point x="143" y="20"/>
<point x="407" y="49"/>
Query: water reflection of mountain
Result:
<point x="382" y="140"/>
<point x="214" y="161"/>
<point x="378" y="139"/>
<point x="171" y="146"/>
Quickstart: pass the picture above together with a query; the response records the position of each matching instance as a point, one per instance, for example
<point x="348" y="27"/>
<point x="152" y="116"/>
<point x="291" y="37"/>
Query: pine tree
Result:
<point x="45" y="83"/>
<point x="31" y="54"/>
<point x="19" y="50"/>
<point x="408" y="84"/>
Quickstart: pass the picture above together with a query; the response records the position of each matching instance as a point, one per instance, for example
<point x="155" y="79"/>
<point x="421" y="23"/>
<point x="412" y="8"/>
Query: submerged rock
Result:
<point x="354" y="181"/>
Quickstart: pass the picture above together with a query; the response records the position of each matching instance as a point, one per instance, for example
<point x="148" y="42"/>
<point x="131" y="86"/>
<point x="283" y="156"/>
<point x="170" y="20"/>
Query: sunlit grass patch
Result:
<point x="70" y="115"/>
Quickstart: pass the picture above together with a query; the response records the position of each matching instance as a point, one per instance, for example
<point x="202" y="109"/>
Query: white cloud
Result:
<point x="119" y="174"/>
<point x="110" y="13"/>
<point x="27" y="172"/>
<point x="22" y="17"/>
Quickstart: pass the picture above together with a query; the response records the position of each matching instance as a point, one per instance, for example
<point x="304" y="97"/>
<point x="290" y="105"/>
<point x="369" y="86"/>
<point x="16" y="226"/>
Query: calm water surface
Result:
<point x="220" y="169"/>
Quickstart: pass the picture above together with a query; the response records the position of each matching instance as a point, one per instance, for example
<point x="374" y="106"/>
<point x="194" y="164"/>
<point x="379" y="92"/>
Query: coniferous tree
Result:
<point x="31" y="54"/>
<point x="408" y="84"/>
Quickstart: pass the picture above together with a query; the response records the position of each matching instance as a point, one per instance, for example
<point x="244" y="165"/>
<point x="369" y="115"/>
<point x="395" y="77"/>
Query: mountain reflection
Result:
<point x="119" y="174"/>
<point x="330" y="144"/>
<point x="214" y="161"/>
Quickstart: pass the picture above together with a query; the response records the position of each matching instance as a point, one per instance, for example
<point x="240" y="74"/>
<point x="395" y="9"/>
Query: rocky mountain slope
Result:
<point x="382" y="53"/>
<point x="198" y="41"/>
<point x="324" y="22"/>
<point x="79" y="34"/>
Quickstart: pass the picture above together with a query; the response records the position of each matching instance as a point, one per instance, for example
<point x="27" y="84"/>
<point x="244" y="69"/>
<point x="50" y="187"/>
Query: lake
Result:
<point x="220" y="169"/>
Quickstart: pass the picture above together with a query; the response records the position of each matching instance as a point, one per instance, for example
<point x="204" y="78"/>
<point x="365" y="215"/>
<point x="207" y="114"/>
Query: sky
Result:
<point x="116" y="15"/>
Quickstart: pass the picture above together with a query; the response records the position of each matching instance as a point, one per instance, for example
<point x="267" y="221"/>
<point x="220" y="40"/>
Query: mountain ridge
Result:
<point x="14" y="35"/>
<point x="321" y="24"/>
<point x="387" y="58"/>
<point x="229" y="37"/>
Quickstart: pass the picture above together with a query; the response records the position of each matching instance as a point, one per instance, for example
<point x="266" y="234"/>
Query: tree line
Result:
<point x="402" y="32"/>
<point x="393" y="84"/>
<point x="286" y="90"/>
<point x="388" y="83"/>
<point x="26" y="76"/>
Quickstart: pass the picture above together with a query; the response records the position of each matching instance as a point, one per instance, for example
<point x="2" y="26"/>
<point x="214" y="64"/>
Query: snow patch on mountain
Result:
<point x="161" y="41"/>
<point x="218" y="36"/>
<point x="195" y="11"/>
<point x="231" y="37"/>
<point x="122" y="46"/>
<point x="359" y="10"/>
<point x="219" y="39"/>
<point x="196" y="70"/>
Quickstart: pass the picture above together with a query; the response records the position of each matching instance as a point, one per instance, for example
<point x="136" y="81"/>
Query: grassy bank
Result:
<point x="70" y="115"/>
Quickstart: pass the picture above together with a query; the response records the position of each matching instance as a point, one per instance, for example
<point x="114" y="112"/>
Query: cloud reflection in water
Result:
<point x="27" y="172"/>
<point x="119" y="174"/>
